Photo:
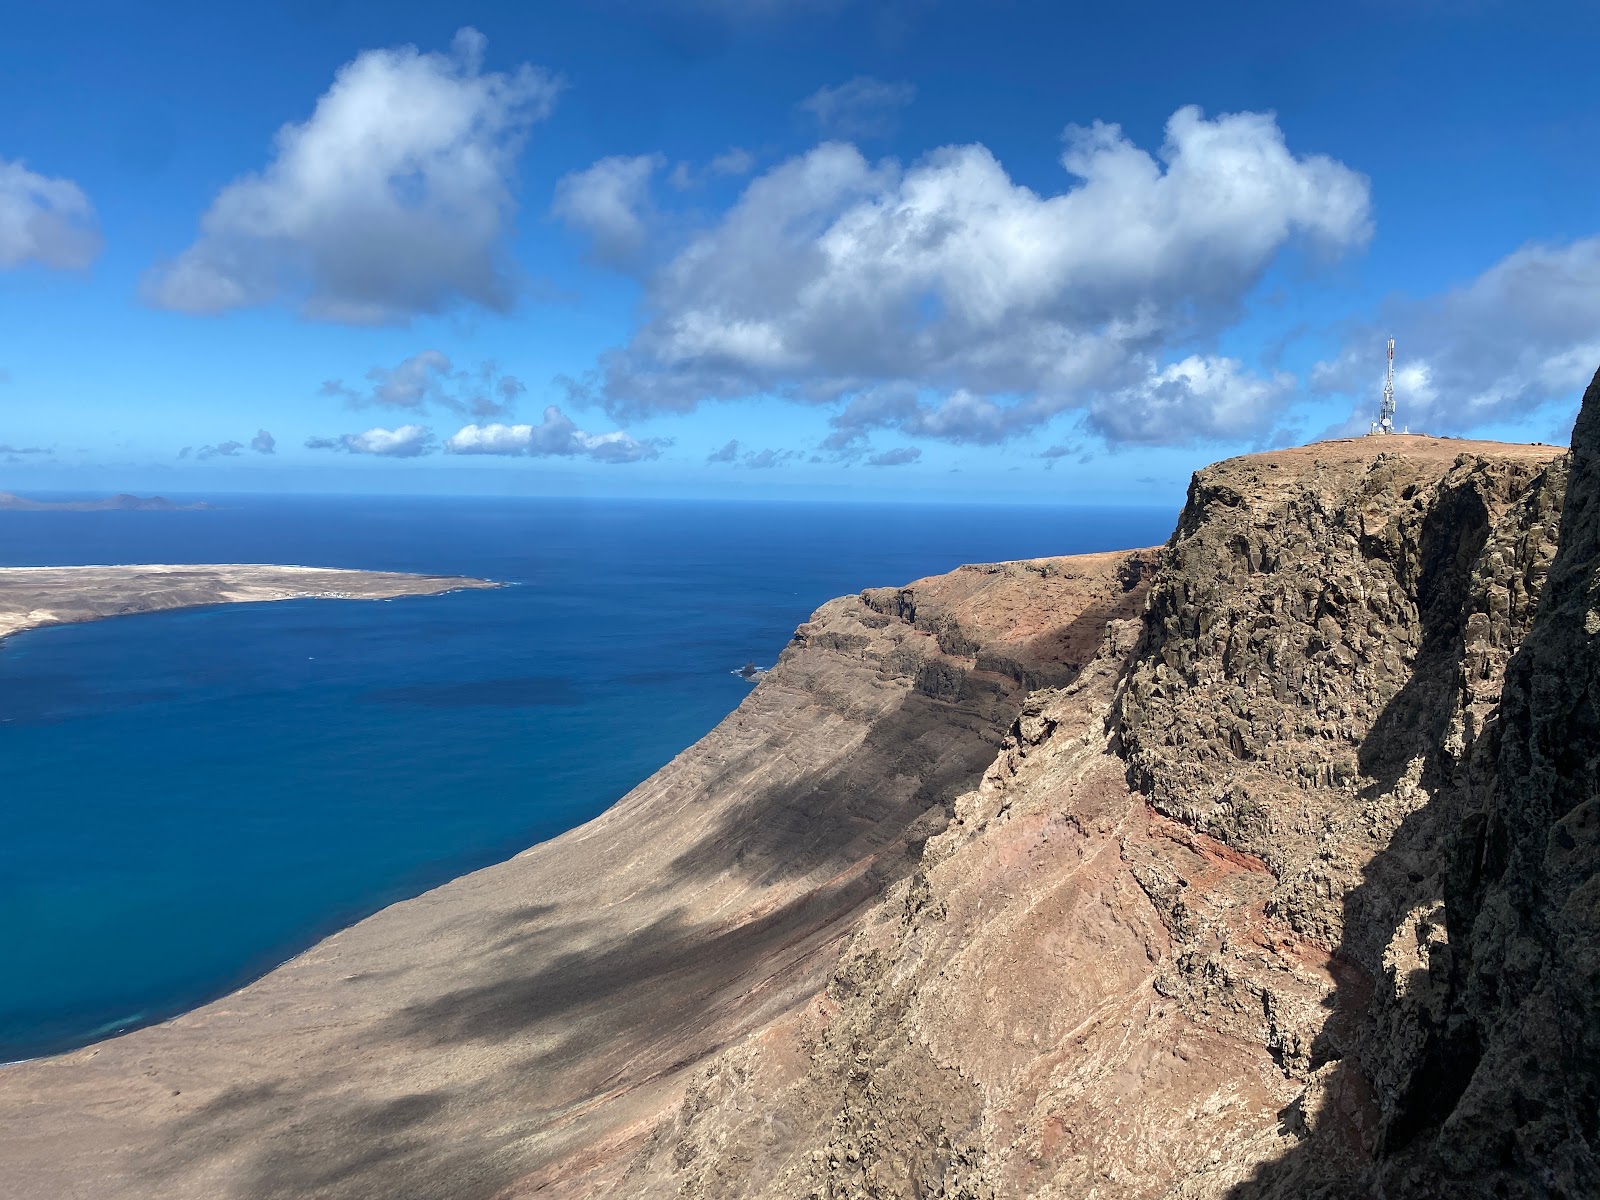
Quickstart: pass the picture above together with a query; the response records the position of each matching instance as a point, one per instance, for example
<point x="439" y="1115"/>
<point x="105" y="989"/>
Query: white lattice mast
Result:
<point x="1385" y="421"/>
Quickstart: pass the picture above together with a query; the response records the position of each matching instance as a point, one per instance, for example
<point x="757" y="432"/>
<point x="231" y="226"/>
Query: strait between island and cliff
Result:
<point x="1262" y="864"/>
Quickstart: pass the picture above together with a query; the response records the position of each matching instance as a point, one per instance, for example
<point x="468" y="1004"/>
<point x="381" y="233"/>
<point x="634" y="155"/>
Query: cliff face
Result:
<point x="1191" y="935"/>
<point x="1486" y="1041"/>
<point x="1263" y="865"/>
<point x="1320" y="685"/>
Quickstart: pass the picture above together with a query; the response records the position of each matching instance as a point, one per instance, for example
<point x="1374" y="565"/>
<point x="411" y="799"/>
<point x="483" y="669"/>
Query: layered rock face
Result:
<point x="1261" y="866"/>
<point x="1482" y="1045"/>
<point x="1320" y="686"/>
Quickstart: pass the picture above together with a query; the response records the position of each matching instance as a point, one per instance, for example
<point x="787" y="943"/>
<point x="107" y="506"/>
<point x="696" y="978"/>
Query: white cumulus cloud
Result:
<point x="408" y="441"/>
<point x="392" y="199"/>
<point x="954" y="302"/>
<point x="44" y="220"/>
<point x="1199" y="398"/>
<point x="557" y="435"/>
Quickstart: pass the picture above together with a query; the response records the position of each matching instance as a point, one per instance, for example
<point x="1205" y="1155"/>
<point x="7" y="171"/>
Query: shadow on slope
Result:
<point x="555" y="1008"/>
<point x="899" y="786"/>
<point x="556" y="1014"/>
<point x="547" y="1022"/>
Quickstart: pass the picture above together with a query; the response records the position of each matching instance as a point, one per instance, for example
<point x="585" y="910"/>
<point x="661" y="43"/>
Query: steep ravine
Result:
<point x="1259" y="866"/>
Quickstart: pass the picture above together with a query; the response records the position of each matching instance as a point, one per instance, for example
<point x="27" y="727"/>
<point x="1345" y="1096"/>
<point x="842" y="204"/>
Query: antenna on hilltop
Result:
<point x="1385" y="421"/>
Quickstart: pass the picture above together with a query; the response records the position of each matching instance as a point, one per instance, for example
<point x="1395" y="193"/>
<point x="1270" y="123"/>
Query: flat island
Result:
<point x="34" y="596"/>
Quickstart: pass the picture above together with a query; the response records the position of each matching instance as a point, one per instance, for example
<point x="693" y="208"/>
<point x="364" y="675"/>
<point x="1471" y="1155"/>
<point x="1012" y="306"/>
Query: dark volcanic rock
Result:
<point x="1498" y="1088"/>
<point x="1529" y="1118"/>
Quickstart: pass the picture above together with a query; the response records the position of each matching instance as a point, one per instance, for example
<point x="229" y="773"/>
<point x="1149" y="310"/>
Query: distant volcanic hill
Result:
<point x="122" y="502"/>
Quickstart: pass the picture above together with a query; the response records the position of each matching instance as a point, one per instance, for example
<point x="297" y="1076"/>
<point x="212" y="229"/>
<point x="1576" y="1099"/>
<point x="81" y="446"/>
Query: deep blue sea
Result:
<point x="189" y="798"/>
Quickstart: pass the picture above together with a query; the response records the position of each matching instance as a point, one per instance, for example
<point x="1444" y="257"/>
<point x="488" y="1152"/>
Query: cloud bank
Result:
<point x="944" y="299"/>
<point x="734" y="454"/>
<point x="392" y="200"/>
<point x="262" y="443"/>
<point x="900" y="457"/>
<point x="556" y="436"/>
<point x="408" y="441"/>
<point x="44" y="220"/>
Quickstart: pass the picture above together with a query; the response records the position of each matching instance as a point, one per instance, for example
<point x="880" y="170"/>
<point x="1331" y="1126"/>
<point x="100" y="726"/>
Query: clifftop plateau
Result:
<point x="1259" y="865"/>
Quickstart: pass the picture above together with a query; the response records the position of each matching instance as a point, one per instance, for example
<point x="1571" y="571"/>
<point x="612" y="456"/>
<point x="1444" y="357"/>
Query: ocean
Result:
<point x="190" y="798"/>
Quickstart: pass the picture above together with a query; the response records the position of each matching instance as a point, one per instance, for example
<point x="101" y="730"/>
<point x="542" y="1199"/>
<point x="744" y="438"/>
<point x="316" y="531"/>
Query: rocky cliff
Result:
<point x="1261" y="865"/>
<point x="1191" y="935"/>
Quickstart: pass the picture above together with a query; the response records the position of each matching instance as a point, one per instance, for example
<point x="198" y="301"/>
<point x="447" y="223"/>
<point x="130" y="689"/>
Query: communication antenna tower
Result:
<point x="1385" y="421"/>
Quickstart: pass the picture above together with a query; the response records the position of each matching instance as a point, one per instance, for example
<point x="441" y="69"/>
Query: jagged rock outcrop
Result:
<point x="1263" y="866"/>
<point x="1317" y="675"/>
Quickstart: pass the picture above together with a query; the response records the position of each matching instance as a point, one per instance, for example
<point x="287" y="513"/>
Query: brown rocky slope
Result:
<point x="1190" y="935"/>
<point x="1262" y="866"/>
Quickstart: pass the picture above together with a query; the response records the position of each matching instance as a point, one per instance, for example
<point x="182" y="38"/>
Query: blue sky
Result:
<point x="785" y="248"/>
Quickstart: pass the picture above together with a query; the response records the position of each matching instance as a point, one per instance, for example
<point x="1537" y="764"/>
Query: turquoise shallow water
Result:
<point x="188" y="798"/>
